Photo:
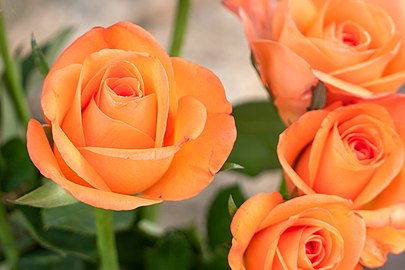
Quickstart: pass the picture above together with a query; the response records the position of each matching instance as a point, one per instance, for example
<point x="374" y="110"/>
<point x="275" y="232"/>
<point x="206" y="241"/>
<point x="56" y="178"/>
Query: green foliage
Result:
<point x="258" y="126"/>
<point x="50" y="261"/>
<point x="18" y="169"/>
<point x="38" y="57"/>
<point x="232" y="208"/>
<point x="219" y="220"/>
<point x="230" y="166"/>
<point x="80" y="218"/>
<point x="48" y="195"/>
<point x="173" y="252"/>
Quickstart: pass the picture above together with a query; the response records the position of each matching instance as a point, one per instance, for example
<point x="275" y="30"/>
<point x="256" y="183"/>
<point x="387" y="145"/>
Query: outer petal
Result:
<point x="379" y="243"/>
<point x="246" y="223"/>
<point x="292" y="97"/>
<point x="194" y="166"/>
<point x="290" y="146"/>
<point x="255" y="16"/>
<point x="199" y="82"/>
<point x="43" y="158"/>
<point x="396" y="9"/>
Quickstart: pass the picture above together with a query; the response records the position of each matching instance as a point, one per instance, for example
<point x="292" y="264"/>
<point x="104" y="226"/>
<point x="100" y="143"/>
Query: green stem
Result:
<point x="7" y="240"/>
<point x="106" y="240"/>
<point x="12" y="76"/>
<point x="179" y="28"/>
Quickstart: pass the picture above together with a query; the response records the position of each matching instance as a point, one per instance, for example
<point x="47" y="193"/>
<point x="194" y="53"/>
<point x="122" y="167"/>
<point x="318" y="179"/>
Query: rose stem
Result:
<point x="107" y="251"/>
<point x="7" y="239"/>
<point x="179" y="27"/>
<point x="12" y="76"/>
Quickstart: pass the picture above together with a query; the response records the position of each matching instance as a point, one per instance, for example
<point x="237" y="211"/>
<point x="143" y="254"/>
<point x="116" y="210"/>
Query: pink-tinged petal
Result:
<point x="391" y="216"/>
<point x="290" y="95"/>
<point x="245" y="223"/>
<point x="43" y="158"/>
<point x="103" y="131"/>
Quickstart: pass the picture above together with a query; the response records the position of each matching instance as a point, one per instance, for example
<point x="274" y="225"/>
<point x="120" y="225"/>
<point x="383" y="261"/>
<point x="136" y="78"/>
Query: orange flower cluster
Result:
<point x="345" y="162"/>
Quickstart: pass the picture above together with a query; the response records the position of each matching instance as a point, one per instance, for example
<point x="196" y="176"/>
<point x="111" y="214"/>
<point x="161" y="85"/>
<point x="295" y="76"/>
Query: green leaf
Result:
<point x="51" y="48"/>
<point x="48" y="195"/>
<point x="259" y="127"/>
<point x="218" y="261"/>
<point x="30" y="221"/>
<point x="18" y="168"/>
<point x="38" y="57"/>
<point x="80" y="218"/>
<point x="318" y="96"/>
<point x="232" y="208"/>
<point x="49" y="261"/>
<point x="230" y="166"/>
<point x="66" y="245"/>
<point x="173" y="252"/>
<point x="219" y="220"/>
<point x="283" y="190"/>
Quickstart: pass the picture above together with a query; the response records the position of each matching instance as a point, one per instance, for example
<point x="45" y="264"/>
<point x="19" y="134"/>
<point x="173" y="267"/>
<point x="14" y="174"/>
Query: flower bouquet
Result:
<point x="127" y="126"/>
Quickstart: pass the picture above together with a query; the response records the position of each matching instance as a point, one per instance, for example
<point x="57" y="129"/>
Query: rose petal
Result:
<point x="198" y="160"/>
<point x="246" y="222"/>
<point x="75" y="160"/>
<point x="290" y="146"/>
<point x="290" y="95"/>
<point x="392" y="216"/>
<point x="255" y="15"/>
<point x="128" y="176"/>
<point x="59" y="91"/>
<point x="201" y="83"/>
<point x="43" y="158"/>
<point x="394" y="155"/>
<point x="379" y="243"/>
<point x="103" y="131"/>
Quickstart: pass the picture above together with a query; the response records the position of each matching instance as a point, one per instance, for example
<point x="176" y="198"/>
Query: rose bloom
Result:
<point x="130" y="125"/>
<point x="308" y="232"/>
<point x="354" y="47"/>
<point x="356" y="152"/>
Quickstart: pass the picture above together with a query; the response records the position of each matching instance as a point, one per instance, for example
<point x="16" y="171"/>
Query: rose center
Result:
<point x="353" y="35"/>
<point x="314" y="249"/>
<point x="125" y="87"/>
<point x="362" y="148"/>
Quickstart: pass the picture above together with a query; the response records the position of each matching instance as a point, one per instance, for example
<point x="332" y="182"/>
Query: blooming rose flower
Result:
<point x="356" y="152"/>
<point x="308" y="232"/>
<point x="131" y="126"/>
<point x="354" y="47"/>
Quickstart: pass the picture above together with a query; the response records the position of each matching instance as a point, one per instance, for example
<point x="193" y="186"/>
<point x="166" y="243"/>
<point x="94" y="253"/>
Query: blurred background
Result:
<point x="214" y="39"/>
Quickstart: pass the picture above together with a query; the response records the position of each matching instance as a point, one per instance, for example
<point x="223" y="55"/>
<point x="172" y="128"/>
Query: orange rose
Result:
<point x="355" y="47"/>
<point x="307" y="232"/>
<point x="131" y="126"/>
<point x="356" y="152"/>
